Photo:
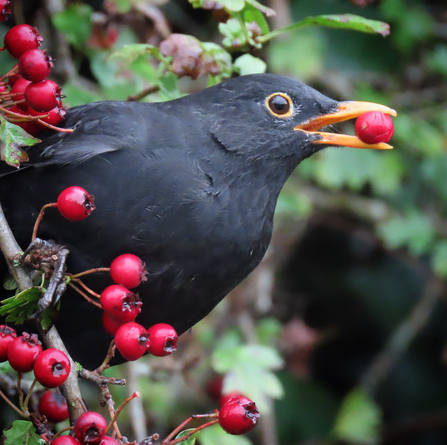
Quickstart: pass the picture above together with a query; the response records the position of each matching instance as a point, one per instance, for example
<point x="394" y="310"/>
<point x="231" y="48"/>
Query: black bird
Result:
<point x="189" y="185"/>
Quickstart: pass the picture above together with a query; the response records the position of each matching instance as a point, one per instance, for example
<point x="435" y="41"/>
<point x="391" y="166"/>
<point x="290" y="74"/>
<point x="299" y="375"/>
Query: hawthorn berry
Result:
<point x="29" y="126"/>
<point x="12" y="79"/>
<point x="214" y="387"/>
<point x="231" y="395"/>
<point x="3" y="89"/>
<point x="110" y="325"/>
<point x="5" y="9"/>
<point x="108" y="441"/>
<point x="18" y="91"/>
<point x="51" y="368"/>
<point x="22" y="352"/>
<point x="90" y="428"/>
<point x="43" y="95"/>
<point x="374" y="127"/>
<point x="128" y="270"/>
<point x="35" y="65"/>
<point x="132" y="340"/>
<point x="55" y="116"/>
<point x="53" y="406"/>
<point x="65" y="440"/>
<point x="7" y="335"/>
<point x="163" y="339"/>
<point x="75" y="204"/>
<point x="20" y="39"/>
<point x="120" y="303"/>
<point x="238" y="415"/>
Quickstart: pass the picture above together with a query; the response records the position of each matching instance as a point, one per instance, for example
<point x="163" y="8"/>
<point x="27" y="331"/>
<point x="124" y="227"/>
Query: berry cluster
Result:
<point x="5" y="9"/>
<point x="51" y="367"/>
<point x="28" y="98"/>
<point x="374" y="127"/>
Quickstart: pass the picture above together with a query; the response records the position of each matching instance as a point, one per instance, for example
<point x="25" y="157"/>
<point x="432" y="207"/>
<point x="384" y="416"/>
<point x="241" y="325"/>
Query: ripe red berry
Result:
<point x="43" y="96"/>
<point x="110" y="325"/>
<point x="22" y="352"/>
<point x="128" y="270"/>
<point x="35" y="65"/>
<point x="18" y="90"/>
<point x="51" y="368"/>
<point x="132" y="340"/>
<point x="65" y="440"/>
<point x="214" y="387"/>
<point x="12" y="79"/>
<point x="5" y="9"/>
<point x="53" y="406"/>
<point x="7" y="335"/>
<point x="90" y="428"/>
<point x="29" y="126"/>
<point x="108" y="441"/>
<point x="75" y="204"/>
<point x="231" y="395"/>
<point x="120" y="303"/>
<point x="374" y="127"/>
<point x="20" y="39"/>
<point x="163" y="339"/>
<point x="3" y="89"/>
<point x="55" y="116"/>
<point x="238" y="416"/>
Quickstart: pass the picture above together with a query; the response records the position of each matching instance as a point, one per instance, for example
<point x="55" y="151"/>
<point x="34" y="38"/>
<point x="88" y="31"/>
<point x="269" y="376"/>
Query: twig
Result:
<point x="144" y="93"/>
<point x="28" y="396"/>
<point x="109" y="356"/>
<point x="118" y="411"/>
<point x="40" y="217"/>
<point x="68" y="428"/>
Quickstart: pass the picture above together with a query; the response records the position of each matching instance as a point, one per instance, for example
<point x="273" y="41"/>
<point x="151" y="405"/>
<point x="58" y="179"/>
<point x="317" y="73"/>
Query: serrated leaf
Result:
<point x="191" y="440"/>
<point x="22" y="432"/>
<point x="215" y="435"/>
<point x="75" y="22"/>
<point x="18" y="308"/>
<point x="248" y="64"/>
<point x="359" y="418"/>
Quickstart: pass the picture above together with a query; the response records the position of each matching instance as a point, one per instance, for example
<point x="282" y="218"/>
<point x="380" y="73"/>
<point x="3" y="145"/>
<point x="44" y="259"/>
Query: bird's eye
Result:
<point x="279" y="104"/>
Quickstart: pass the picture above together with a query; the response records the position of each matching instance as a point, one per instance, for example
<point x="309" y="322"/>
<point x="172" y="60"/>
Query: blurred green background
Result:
<point x="340" y="334"/>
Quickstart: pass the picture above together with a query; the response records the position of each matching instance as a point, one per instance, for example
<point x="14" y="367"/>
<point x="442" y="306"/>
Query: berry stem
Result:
<point x="85" y="295"/>
<point x="68" y="428"/>
<point x="39" y="218"/>
<point x="109" y="356"/>
<point x="85" y="287"/>
<point x="52" y="127"/>
<point x="28" y="396"/>
<point x="169" y="439"/>
<point x="13" y="70"/>
<point x="89" y="271"/>
<point x="118" y="411"/>
<point x="19" y="390"/>
<point x="17" y="410"/>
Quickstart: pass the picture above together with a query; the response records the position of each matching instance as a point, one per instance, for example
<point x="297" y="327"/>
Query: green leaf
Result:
<point x="121" y="6"/>
<point x="359" y="418"/>
<point x="215" y="435"/>
<point x="12" y="138"/>
<point x="75" y="22"/>
<point x="168" y="87"/>
<point x="191" y="440"/>
<point x="221" y="57"/>
<point x="439" y="258"/>
<point x="232" y="5"/>
<point x="248" y="64"/>
<point x="22" y="432"/>
<point x="19" y="307"/>
<point x="130" y="53"/>
<point x="10" y="283"/>
<point x="252" y="14"/>
<point x="340" y="21"/>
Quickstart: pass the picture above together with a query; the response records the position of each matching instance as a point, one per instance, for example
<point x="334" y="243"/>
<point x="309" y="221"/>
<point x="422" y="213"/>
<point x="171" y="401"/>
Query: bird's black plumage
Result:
<point x="189" y="185"/>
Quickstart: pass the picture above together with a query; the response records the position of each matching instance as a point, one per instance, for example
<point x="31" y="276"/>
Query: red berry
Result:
<point x="108" y="441"/>
<point x="110" y="325"/>
<point x="90" y="428"/>
<point x="231" y="395"/>
<point x="132" y="340"/>
<point x="3" y="89"/>
<point x="75" y="204"/>
<point x="238" y="416"/>
<point x="20" y="39"/>
<point x="55" y="116"/>
<point x="65" y="440"/>
<point x="214" y="387"/>
<point x="7" y="335"/>
<point x="12" y="79"/>
<point x="374" y="127"/>
<point x="43" y="96"/>
<point x="19" y="87"/>
<point x="163" y="339"/>
<point x="22" y="352"/>
<point x="35" y="65"/>
<point x="53" y="406"/>
<point x="120" y="303"/>
<point x="29" y="126"/>
<point x="5" y="9"/>
<point x="128" y="270"/>
<point x="51" y="368"/>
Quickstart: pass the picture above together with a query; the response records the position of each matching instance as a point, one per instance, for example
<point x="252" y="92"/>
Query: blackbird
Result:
<point x="189" y="185"/>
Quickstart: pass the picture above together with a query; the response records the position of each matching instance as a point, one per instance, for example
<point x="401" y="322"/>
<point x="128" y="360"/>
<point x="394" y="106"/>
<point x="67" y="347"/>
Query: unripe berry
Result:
<point x="52" y="367"/>
<point x="20" y="39"/>
<point x="7" y="335"/>
<point x="75" y="204"/>
<point x="53" y="406"/>
<point x="163" y="339"/>
<point x="238" y="416"/>
<point x="374" y="127"/>
<point x="132" y="340"/>
<point x="128" y="270"/>
<point x="90" y="428"/>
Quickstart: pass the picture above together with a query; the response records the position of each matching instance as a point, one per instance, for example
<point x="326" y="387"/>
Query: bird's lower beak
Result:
<point x="344" y="112"/>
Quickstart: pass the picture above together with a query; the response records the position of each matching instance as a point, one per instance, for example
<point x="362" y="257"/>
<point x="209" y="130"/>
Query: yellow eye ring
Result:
<point x="279" y="104"/>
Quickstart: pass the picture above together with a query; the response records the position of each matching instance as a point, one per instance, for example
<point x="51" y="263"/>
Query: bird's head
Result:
<point x="268" y="115"/>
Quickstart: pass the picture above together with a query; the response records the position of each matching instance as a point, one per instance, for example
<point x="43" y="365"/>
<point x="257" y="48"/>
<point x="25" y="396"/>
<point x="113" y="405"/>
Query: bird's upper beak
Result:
<point x="344" y="111"/>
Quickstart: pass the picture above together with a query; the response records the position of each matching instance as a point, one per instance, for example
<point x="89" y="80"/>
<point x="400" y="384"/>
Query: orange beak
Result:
<point x="345" y="111"/>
